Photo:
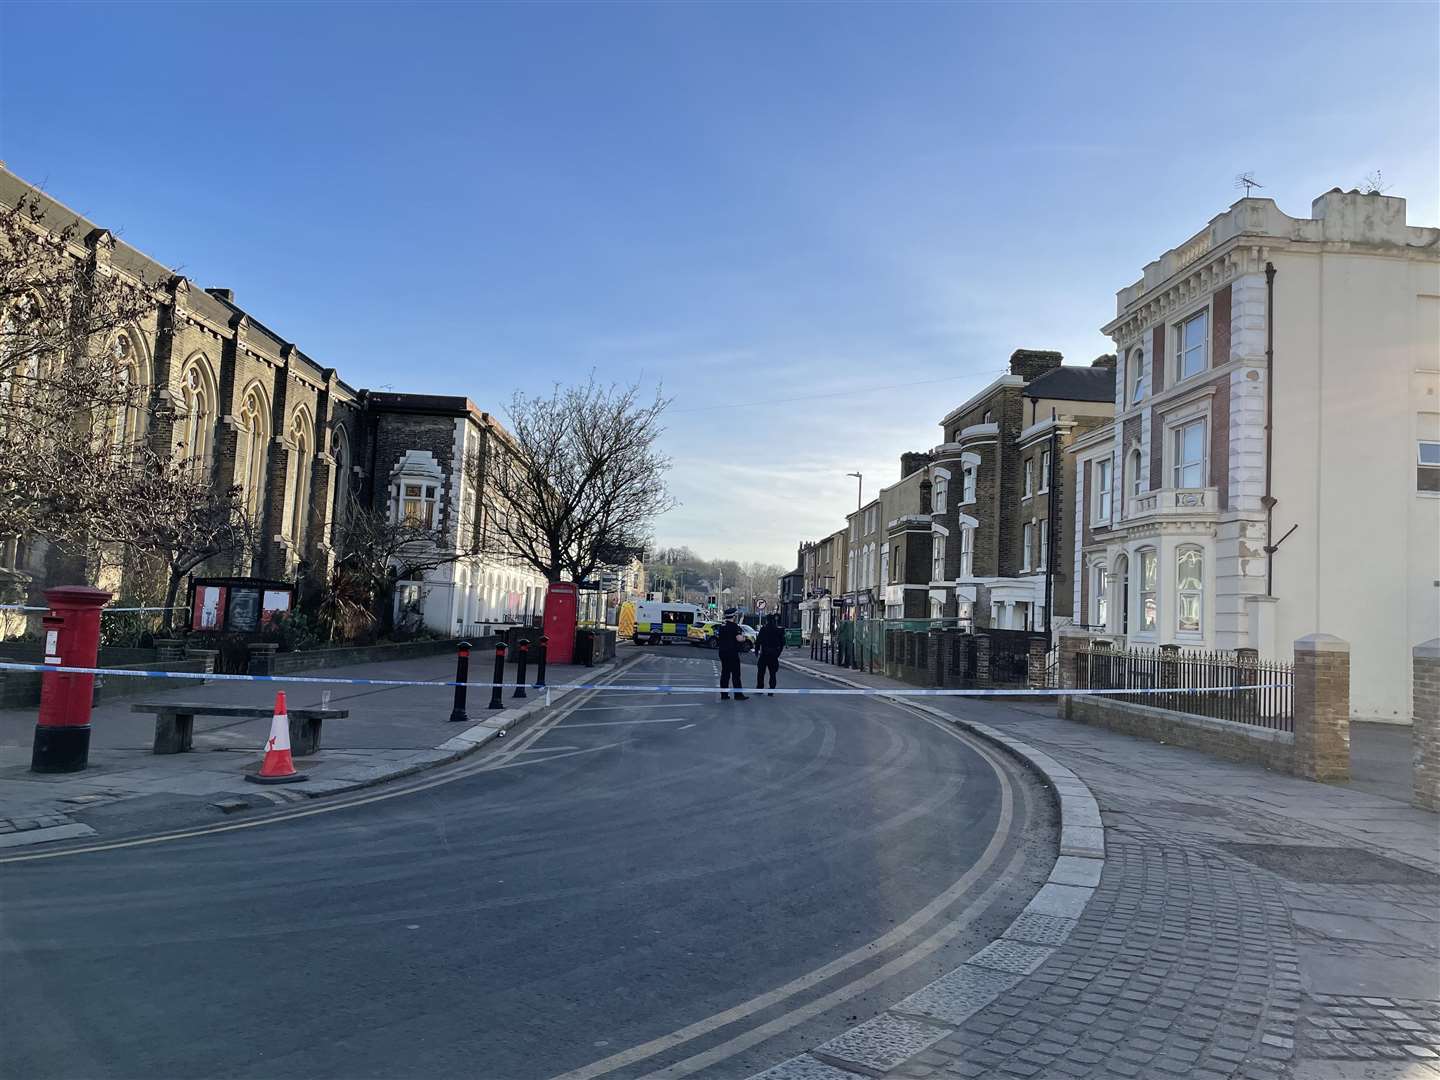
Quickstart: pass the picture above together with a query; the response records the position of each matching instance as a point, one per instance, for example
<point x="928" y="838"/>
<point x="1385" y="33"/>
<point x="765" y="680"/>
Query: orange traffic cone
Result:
<point x="277" y="768"/>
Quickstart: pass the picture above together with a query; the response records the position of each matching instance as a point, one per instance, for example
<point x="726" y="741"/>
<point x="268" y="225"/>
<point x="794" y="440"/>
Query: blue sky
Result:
<point x="750" y="202"/>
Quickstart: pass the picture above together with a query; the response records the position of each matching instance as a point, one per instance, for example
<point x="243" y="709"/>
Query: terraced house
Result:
<point x="243" y="406"/>
<point x="1273" y="467"/>
<point x="999" y="492"/>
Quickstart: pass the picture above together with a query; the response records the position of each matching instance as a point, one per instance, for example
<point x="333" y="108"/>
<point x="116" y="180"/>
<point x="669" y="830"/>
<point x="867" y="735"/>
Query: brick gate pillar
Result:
<point x="1035" y="663"/>
<point x="982" y="660"/>
<point x="1072" y="644"/>
<point x="1425" y="732"/>
<point x="1322" y="708"/>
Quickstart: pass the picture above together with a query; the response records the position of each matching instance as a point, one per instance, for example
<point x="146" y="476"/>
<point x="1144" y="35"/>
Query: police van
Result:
<point x="657" y="621"/>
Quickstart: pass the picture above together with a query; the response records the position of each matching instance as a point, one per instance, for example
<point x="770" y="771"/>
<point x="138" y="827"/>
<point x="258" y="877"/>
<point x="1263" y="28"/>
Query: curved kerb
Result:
<point x="937" y="1011"/>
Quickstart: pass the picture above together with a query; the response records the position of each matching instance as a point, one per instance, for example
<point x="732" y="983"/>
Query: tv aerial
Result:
<point x="1247" y="181"/>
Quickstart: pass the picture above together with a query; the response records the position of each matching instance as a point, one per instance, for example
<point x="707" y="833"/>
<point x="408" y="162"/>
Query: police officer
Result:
<point x="768" y="646"/>
<point x="727" y="644"/>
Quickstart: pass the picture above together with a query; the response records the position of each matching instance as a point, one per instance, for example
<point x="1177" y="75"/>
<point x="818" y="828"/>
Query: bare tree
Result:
<point x="71" y="410"/>
<point x="579" y="481"/>
<point x="181" y="520"/>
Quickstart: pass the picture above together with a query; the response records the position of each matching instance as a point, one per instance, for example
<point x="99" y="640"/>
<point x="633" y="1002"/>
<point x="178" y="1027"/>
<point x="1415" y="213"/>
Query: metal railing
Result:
<point x="1221" y="685"/>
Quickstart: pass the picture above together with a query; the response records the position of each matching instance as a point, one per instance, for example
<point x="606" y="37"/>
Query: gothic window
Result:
<point x="301" y="454"/>
<point x="197" y="398"/>
<point x="254" y="448"/>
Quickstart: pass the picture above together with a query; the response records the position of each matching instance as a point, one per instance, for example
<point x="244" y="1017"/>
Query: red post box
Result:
<point x="561" y="605"/>
<point x="72" y="639"/>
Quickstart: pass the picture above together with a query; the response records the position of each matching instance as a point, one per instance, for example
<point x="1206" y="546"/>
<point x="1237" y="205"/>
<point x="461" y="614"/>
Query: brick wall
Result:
<point x="1223" y="738"/>
<point x="1220" y="327"/>
<point x="1425" y="730"/>
<point x="1220" y="446"/>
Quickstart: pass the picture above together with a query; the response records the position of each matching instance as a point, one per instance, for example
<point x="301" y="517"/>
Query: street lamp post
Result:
<point x="855" y="585"/>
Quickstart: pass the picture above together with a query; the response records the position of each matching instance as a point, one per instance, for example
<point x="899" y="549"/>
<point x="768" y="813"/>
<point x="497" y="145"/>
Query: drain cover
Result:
<point x="1331" y="865"/>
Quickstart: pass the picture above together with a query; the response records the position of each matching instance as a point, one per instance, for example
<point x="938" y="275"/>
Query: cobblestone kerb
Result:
<point x="901" y="1037"/>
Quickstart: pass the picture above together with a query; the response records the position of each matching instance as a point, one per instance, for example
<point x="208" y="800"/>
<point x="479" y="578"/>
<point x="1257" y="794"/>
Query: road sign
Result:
<point x="760" y="605"/>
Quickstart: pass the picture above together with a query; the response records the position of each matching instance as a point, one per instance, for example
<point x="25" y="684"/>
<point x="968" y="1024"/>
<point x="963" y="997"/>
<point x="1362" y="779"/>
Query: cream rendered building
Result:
<point x="1195" y="528"/>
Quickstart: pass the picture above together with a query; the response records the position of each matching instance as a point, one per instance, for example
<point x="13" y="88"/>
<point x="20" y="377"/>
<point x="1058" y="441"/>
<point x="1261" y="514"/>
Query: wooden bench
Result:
<point x="175" y="723"/>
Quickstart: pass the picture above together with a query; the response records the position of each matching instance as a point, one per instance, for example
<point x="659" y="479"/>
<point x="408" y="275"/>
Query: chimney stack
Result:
<point x="1030" y="364"/>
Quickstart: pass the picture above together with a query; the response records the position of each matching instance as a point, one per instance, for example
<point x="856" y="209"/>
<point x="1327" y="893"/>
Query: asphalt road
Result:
<point x="638" y="884"/>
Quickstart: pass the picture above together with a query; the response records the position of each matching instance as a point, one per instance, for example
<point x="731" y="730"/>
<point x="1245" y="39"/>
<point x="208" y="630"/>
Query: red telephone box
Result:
<point x="72" y="639"/>
<point x="561" y="606"/>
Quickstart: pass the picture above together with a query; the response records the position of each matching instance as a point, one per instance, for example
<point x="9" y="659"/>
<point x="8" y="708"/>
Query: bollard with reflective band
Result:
<point x="497" y="684"/>
<point x="72" y="638"/>
<point x="462" y="673"/>
<point x="540" y="663"/>
<point x="520" y="668"/>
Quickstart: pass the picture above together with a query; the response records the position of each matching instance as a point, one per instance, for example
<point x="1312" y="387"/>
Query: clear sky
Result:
<point x="771" y="208"/>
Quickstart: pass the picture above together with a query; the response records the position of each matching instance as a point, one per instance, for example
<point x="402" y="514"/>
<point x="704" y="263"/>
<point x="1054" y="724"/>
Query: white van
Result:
<point x="657" y="621"/>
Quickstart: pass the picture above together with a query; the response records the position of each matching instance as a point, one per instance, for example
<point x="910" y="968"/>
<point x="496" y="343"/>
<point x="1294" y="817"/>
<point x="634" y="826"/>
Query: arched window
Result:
<point x="254" y="451"/>
<point x="127" y="419"/>
<point x="1101" y="587"/>
<point x="340" y="451"/>
<point x="1149" y="580"/>
<point x="1132" y="470"/>
<point x="197" y="398"/>
<point x="1135" y="372"/>
<point x="1122" y="575"/>
<point x="1189" y="590"/>
<point x="302" y="451"/>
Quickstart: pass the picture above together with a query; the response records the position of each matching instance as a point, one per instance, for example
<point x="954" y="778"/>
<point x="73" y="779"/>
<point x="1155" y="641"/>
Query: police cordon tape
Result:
<point x="627" y="688"/>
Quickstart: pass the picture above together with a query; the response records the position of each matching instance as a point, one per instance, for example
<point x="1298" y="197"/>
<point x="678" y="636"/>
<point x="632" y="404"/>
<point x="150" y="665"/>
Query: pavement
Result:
<point x="391" y="732"/>
<point x="1246" y="924"/>
<point x="633" y="884"/>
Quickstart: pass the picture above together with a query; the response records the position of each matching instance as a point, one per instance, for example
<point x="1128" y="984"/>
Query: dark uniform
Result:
<point x="727" y="644"/>
<point x="769" y="645"/>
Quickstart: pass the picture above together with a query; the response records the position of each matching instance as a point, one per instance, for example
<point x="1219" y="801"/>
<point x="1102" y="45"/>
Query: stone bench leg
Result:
<point x="304" y="736"/>
<point x="174" y="733"/>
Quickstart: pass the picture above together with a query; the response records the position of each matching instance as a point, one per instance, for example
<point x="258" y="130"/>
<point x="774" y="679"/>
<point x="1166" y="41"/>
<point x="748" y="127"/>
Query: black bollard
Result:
<point x="540" y="663"/>
<point x="498" y="683"/>
<point x="520" y="667"/>
<point x="462" y="675"/>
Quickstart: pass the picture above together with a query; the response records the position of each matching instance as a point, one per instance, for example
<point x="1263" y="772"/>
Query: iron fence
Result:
<point x="1220" y="685"/>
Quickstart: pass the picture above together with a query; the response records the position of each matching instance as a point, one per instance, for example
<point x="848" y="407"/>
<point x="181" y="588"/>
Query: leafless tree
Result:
<point x="579" y="481"/>
<point x="181" y="520"/>
<point x="71" y="410"/>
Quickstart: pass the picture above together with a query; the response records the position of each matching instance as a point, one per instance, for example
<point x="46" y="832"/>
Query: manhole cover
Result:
<point x="1331" y="865"/>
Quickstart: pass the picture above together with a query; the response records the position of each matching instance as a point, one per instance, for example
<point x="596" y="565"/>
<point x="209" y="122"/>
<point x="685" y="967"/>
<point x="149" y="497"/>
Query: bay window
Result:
<point x="937" y="495"/>
<point x="1148" y="571"/>
<point x="1189" y="590"/>
<point x="1188" y="469"/>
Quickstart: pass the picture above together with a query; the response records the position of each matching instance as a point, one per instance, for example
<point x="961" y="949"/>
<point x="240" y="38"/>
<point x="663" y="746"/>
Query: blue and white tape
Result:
<point x="661" y="688"/>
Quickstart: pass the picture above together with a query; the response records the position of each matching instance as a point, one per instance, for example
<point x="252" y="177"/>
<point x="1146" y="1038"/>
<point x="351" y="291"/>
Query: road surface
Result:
<point x="637" y="884"/>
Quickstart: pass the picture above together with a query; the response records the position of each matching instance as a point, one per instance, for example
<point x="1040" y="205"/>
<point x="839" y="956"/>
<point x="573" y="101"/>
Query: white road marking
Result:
<point x="547" y="749"/>
<point x="685" y="728"/>
<point x="622" y="723"/>
<point x="893" y="937"/>
<point x="612" y="708"/>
